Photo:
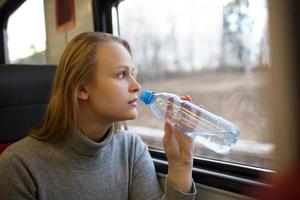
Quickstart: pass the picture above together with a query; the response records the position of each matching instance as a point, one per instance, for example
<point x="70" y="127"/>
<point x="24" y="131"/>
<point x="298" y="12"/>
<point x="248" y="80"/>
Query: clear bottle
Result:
<point x="212" y="131"/>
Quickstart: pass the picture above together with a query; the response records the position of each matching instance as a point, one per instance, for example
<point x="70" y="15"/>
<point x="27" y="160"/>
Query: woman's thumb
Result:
<point x="168" y="129"/>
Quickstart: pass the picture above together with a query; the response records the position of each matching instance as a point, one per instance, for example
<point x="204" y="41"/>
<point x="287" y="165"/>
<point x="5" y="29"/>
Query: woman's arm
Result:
<point x="179" y="151"/>
<point x="145" y="184"/>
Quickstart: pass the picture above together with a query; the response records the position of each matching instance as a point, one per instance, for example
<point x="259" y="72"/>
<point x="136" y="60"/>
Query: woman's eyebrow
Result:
<point x="126" y="67"/>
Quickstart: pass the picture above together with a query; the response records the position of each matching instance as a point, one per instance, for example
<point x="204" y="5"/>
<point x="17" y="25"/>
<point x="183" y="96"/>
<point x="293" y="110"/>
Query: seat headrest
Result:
<point x="25" y="92"/>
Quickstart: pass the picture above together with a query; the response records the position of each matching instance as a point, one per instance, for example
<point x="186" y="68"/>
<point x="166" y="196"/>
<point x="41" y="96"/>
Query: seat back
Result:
<point x="24" y="93"/>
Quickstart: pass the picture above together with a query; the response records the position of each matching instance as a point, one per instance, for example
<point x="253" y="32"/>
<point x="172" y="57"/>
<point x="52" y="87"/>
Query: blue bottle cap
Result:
<point x="146" y="96"/>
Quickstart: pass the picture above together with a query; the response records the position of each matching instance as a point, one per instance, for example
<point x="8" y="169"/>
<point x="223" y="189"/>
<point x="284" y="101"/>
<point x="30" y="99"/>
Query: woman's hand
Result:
<point x="179" y="151"/>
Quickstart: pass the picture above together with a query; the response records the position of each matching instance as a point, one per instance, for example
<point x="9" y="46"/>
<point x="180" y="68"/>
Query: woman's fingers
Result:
<point x="185" y="144"/>
<point x="186" y="98"/>
<point x="180" y="135"/>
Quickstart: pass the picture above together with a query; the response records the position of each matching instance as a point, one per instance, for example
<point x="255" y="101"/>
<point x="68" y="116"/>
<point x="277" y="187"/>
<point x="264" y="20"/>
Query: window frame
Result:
<point x="6" y="9"/>
<point x="232" y="177"/>
<point x="102" y="14"/>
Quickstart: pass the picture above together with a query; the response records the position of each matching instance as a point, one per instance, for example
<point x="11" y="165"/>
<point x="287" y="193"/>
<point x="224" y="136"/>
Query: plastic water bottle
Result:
<point x="212" y="131"/>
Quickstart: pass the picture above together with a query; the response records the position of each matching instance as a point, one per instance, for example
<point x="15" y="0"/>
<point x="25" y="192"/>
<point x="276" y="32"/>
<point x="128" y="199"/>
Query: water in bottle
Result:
<point x="209" y="129"/>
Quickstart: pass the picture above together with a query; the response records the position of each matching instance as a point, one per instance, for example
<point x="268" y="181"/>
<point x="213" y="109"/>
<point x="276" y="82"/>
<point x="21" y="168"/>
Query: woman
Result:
<point x="79" y="152"/>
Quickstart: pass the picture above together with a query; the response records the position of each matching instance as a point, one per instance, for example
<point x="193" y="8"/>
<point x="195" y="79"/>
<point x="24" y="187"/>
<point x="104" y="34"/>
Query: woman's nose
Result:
<point x="135" y="86"/>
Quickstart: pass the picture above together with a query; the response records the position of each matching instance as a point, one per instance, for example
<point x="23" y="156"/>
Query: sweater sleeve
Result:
<point x="145" y="184"/>
<point x="15" y="180"/>
<point x="173" y="193"/>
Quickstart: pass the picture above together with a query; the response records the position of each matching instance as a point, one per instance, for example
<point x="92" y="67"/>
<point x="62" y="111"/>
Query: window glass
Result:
<point x="26" y="35"/>
<point x="215" y="51"/>
<point x="115" y="22"/>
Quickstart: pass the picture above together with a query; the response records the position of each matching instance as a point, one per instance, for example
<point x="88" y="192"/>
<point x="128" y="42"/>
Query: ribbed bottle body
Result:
<point x="212" y="131"/>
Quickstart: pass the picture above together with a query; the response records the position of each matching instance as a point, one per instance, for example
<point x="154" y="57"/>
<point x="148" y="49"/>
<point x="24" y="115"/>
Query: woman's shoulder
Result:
<point x="23" y="148"/>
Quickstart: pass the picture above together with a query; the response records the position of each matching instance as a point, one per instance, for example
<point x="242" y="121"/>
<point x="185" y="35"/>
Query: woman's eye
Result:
<point x="121" y="75"/>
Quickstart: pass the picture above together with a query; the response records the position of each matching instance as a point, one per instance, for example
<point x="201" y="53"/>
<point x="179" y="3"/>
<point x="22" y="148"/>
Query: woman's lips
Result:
<point x="133" y="102"/>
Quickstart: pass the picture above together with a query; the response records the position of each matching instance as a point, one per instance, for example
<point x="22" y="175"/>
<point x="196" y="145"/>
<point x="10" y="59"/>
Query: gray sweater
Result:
<point x="119" y="167"/>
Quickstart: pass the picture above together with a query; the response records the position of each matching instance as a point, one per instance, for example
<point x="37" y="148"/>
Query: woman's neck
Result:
<point x="91" y="126"/>
<point x="95" y="132"/>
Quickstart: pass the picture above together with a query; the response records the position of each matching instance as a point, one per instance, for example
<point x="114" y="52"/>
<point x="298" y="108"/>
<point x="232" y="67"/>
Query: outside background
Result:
<point x="217" y="52"/>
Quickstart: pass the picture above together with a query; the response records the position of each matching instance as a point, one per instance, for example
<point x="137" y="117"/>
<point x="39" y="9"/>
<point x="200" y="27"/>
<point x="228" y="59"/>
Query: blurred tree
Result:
<point x="237" y="23"/>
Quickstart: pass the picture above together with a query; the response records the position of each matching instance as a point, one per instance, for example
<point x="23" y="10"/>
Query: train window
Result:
<point x="217" y="52"/>
<point x="26" y="35"/>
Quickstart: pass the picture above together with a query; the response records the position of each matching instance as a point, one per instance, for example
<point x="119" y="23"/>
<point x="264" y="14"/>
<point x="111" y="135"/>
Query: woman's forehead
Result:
<point x="112" y="55"/>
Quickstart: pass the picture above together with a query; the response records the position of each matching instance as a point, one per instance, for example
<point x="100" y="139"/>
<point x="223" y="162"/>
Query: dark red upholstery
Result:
<point x="286" y="187"/>
<point x="24" y="95"/>
<point x="4" y="146"/>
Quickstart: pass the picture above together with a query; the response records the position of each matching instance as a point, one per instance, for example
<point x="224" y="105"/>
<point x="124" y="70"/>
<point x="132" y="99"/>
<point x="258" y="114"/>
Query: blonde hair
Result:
<point x="76" y="66"/>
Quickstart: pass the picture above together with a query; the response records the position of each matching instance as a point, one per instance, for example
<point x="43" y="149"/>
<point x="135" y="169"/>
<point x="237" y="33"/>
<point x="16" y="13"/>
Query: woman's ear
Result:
<point x="82" y="93"/>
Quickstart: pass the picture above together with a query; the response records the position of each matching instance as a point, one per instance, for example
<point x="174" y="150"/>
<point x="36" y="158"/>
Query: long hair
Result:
<point x="76" y="66"/>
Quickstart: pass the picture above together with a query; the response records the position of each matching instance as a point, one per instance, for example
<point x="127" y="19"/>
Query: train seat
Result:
<point x="25" y="92"/>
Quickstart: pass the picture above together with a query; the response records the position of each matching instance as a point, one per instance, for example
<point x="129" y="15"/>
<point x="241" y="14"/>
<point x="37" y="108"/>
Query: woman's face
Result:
<point x="113" y="93"/>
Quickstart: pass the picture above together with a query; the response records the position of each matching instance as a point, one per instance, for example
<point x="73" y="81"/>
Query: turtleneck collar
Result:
<point x="85" y="146"/>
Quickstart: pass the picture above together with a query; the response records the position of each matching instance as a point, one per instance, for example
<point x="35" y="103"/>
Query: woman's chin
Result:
<point x="129" y="116"/>
<point x="132" y="117"/>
